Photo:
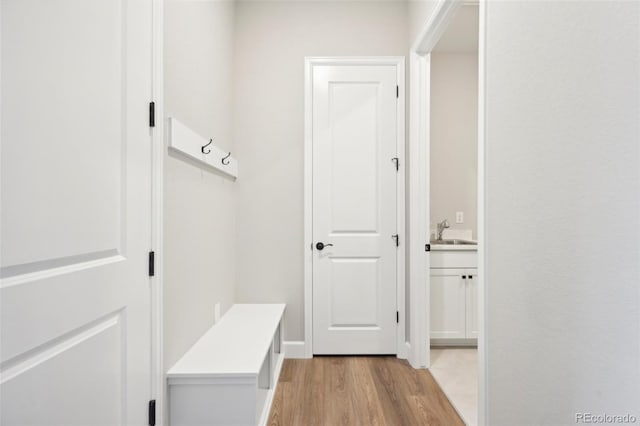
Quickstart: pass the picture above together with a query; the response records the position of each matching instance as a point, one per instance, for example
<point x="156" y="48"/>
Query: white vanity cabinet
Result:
<point x="454" y="297"/>
<point x="472" y="304"/>
<point x="448" y="306"/>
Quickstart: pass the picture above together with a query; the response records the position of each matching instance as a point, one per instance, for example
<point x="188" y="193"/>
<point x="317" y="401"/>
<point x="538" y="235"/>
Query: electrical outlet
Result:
<point x="459" y="217"/>
<point x="216" y="312"/>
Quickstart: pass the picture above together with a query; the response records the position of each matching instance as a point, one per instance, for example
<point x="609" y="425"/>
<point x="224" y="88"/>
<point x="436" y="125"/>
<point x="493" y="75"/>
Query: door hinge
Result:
<point x="397" y="317"/>
<point x="152" y="114"/>
<point x="396" y="160"/>
<point x="152" y="263"/>
<point x="397" y="91"/>
<point x="397" y="238"/>
<point x="427" y="247"/>
<point x="152" y="412"/>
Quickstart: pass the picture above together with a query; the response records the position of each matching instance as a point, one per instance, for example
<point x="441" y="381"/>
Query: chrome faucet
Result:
<point x="441" y="227"/>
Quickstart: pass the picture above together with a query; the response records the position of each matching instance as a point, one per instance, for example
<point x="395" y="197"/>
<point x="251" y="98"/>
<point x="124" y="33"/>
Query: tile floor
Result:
<point x="456" y="371"/>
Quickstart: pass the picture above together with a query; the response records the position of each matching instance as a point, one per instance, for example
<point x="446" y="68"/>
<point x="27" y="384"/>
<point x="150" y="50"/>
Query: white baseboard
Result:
<point x="294" y="349"/>
<point x="406" y="351"/>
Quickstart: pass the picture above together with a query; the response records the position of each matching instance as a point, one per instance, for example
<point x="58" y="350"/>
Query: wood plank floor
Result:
<point x="367" y="391"/>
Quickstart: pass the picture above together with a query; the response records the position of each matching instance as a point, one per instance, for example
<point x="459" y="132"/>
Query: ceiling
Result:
<point x="462" y="34"/>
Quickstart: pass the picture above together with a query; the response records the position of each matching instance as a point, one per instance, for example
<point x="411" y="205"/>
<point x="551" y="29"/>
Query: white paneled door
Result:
<point x="354" y="208"/>
<point x="76" y="210"/>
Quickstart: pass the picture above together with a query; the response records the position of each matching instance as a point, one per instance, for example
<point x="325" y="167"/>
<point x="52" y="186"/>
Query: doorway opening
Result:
<point x="446" y="204"/>
<point x="453" y="155"/>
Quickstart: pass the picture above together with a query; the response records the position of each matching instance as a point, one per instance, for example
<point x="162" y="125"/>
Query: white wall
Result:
<point x="272" y="39"/>
<point x="200" y="224"/>
<point x="454" y="139"/>
<point x="563" y="210"/>
<point x="418" y="14"/>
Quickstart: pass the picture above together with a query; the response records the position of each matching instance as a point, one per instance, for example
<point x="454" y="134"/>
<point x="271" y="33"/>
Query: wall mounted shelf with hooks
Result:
<point x="187" y="142"/>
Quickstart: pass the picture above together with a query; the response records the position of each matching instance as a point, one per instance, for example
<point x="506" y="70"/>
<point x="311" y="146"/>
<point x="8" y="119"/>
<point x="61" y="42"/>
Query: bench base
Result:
<point x="229" y="377"/>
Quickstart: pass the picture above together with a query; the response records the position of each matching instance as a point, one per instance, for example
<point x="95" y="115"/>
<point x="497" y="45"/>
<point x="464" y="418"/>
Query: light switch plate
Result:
<point x="459" y="217"/>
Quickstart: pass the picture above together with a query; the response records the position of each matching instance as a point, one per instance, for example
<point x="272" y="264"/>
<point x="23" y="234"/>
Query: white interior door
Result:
<point x="354" y="209"/>
<point x="75" y="221"/>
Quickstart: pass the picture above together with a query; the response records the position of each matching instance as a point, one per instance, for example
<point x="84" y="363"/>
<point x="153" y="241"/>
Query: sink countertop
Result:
<point x="454" y="247"/>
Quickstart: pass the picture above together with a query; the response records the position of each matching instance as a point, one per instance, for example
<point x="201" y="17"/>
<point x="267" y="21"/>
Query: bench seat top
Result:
<point x="234" y="347"/>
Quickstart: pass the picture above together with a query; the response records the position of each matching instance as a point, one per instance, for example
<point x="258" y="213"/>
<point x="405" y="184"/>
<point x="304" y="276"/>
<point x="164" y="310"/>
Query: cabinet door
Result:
<point x="472" y="303"/>
<point x="448" y="294"/>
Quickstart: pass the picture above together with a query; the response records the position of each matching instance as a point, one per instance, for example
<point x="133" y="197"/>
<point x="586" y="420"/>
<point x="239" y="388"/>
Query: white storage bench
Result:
<point x="229" y="376"/>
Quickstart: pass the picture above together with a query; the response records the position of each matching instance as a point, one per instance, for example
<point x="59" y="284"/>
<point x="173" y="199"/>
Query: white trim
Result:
<point x="483" y="365"/>
<point x="308" y="209"/>
<point x="158" y="388"/>
<point x="437" y="23"/>
<point x="401" y="229"/>
<point x="294" y="349"/>
<point x="419" y="210"/>
<point x="310" y="62"/>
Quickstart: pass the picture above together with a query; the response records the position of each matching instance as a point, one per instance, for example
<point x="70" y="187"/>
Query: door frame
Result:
<point x="310" y="62"/>
<point x="419" y="146"/>
<point x="157" y="385"/>
<point x="419" y="151"/>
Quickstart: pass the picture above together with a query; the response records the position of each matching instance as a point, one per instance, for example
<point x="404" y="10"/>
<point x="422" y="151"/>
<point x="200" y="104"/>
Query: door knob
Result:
<point x="322" y="245"/>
